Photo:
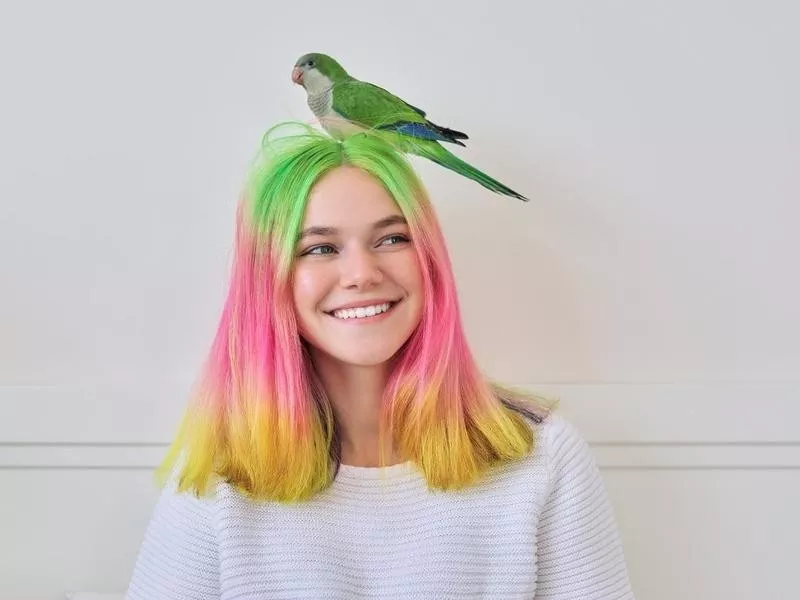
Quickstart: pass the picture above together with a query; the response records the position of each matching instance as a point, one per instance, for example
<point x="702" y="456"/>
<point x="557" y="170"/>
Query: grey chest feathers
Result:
<point x="321" y="104"/>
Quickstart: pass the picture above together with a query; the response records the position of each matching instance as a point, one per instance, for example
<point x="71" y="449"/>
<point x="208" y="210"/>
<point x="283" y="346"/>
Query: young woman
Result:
<point x="342" y="442"/>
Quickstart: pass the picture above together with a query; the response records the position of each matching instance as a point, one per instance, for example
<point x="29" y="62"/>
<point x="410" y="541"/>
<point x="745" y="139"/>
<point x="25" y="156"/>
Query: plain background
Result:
<point x="651" y="282"/>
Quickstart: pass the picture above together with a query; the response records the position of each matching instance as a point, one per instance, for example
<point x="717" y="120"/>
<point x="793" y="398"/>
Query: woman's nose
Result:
<point x="360" y="268"/>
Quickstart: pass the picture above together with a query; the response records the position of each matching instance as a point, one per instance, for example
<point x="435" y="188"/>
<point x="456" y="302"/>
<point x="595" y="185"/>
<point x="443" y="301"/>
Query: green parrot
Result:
<point x="346" y="105"/>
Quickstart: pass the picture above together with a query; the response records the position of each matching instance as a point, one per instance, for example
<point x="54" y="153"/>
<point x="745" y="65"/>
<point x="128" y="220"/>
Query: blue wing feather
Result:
<point x="419" y="130"/>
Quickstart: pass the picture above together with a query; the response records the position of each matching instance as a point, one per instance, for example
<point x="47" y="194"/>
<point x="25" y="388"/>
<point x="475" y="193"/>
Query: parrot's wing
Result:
<point x="375" y="108"/>
<point x="371" y="106"/>
<point x="411" y="106"/>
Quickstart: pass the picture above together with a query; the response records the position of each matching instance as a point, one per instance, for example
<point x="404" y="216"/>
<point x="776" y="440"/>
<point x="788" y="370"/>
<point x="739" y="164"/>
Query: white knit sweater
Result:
<point x="541" y="528"/>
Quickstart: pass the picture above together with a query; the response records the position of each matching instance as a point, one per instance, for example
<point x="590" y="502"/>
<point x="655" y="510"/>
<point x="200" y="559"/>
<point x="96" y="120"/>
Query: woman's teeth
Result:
<point x="362" y="311"/>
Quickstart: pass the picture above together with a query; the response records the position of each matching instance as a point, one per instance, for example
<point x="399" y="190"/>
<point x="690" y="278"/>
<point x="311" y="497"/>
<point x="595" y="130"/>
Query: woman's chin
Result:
<point x="360" y="357"/>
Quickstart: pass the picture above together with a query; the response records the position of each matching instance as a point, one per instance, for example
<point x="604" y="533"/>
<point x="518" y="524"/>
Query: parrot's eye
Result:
<point x="310" y="63"/>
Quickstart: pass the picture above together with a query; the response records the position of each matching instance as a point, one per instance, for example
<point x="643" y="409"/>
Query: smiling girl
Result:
<point x="341" y="441"/>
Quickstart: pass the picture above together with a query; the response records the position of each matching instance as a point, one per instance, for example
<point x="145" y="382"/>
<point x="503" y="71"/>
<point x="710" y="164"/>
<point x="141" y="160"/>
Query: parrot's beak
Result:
<point x="297" y="75"/>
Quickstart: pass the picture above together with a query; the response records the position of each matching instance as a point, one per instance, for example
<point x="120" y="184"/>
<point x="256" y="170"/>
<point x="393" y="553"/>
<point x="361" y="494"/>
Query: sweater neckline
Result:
<point x="396" y="470"/>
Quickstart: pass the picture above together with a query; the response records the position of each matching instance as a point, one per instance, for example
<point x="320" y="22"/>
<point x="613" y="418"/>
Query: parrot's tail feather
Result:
<point x="450" y="133"/>
<point x="443" y="157"/>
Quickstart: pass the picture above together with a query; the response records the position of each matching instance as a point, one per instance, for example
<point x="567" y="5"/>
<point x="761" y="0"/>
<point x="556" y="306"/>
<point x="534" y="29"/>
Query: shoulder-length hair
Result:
<point x="258" y="417"/>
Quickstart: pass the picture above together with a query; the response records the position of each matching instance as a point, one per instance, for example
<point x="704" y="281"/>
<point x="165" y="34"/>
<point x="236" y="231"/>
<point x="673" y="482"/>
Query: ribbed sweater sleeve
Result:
<point x="178" y="558"/>
<point x="579" y="552"/>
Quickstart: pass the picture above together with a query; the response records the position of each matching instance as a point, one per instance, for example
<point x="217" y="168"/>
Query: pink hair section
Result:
<point x="437" y="357"/>
<point x="256" y="355"/>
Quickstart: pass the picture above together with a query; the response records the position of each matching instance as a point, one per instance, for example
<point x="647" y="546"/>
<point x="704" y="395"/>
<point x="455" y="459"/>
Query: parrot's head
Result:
<point x="317" y="72"/>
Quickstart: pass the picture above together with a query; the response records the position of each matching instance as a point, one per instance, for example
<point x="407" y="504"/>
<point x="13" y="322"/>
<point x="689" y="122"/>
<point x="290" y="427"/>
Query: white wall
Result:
<point x="651" y="282"/>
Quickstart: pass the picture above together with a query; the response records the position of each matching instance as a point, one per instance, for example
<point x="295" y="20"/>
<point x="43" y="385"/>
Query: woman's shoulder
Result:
<point x="180" y="501"/>
<point x="558" y="430"/>
<point x="187" y="504"/>
<point x="559" y="444"/>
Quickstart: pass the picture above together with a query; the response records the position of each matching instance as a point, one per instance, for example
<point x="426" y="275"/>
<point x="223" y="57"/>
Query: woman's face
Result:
<point x="356" y="278"/>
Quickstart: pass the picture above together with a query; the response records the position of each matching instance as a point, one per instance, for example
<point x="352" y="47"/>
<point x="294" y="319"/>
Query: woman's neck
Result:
<point x="355" y="393"/>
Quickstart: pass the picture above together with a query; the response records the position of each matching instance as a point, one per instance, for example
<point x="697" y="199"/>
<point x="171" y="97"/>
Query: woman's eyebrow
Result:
<point x="389" y="221"/>
<point x="380" y="224"/>
<point x="309" y="231"/>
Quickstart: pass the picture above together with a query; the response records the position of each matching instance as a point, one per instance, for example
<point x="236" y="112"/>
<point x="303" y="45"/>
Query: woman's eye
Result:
<point x="397" y="239"/>
<point x="319" y="250"/>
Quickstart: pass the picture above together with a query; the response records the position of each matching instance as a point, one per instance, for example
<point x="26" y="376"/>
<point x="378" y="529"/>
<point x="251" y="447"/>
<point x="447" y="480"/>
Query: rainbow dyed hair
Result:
<point x="259" y="417"/>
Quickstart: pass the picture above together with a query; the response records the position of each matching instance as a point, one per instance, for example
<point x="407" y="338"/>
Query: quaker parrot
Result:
<point x="345" y="105"/>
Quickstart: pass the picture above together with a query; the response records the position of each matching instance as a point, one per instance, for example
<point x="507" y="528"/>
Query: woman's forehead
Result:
<point x="348" y="197"/>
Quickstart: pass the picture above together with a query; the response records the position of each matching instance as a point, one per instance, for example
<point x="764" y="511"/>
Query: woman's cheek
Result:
<point x="307" y="288"/>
